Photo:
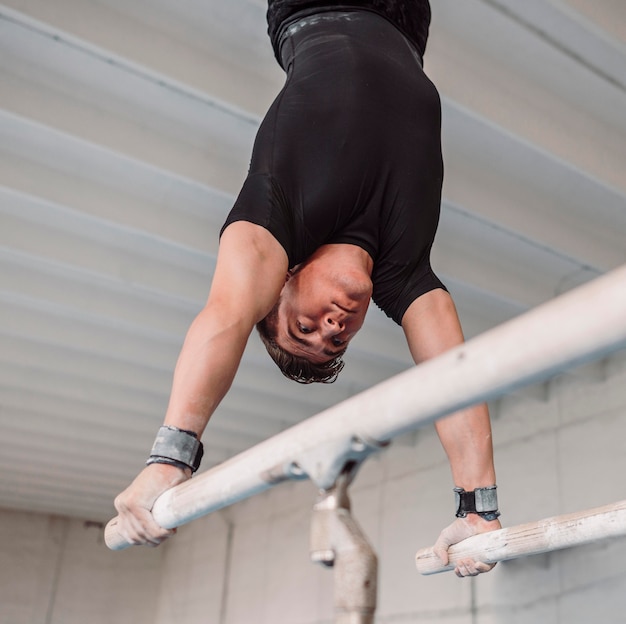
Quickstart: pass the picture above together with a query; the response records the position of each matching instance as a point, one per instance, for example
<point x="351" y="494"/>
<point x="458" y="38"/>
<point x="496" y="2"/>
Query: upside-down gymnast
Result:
<point x="340" y="205"/>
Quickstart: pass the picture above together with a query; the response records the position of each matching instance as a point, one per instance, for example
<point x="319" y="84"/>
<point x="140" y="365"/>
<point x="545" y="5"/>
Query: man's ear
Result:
<point x="291" y="272"/>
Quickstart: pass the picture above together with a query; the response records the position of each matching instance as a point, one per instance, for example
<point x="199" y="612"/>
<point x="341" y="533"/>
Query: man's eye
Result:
<point x="337" y="342"/>
<point x="303" y="329"/>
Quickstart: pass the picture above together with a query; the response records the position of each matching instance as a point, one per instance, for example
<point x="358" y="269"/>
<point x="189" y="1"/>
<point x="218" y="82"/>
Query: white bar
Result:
<point x="533" y="538"/>
<point x="582" y="325"/>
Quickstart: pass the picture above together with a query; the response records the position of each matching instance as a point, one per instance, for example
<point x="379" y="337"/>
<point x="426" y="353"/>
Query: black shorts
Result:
<point x="350" y="152"/>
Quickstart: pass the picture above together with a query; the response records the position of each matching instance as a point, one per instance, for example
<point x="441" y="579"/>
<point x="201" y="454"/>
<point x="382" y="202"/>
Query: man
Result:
<point x="249" y="277"/>
<point x="340" y="205"/>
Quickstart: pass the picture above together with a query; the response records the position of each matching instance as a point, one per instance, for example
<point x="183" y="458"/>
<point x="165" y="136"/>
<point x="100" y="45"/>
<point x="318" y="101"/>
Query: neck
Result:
<point x="344" y="254"/>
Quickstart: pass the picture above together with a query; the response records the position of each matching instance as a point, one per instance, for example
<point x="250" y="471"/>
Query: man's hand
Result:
<point x="134" y="504"/>
<point x="461" y="529"/>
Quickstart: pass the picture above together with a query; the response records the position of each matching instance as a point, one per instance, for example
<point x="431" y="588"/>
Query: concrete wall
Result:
<point x="555" y="453"/>
<point x="58" y="571"/>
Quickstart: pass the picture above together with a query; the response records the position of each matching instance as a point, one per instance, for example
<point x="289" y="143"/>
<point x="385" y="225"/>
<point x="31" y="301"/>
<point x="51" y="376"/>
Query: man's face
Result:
<point x="318" y="315"/>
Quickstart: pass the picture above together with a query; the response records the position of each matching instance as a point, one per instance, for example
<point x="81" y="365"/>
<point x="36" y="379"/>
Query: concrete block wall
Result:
<point x="249" y="564"/>
<point x="194" y="572"/>
<point x="57" y="571"/>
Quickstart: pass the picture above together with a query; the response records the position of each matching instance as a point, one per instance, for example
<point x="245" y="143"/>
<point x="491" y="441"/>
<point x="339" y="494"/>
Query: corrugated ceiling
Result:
<point x="125" y="133"/>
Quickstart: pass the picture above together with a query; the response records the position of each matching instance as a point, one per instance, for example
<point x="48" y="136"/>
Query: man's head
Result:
<point x="296" y="367"/>
<point x="321" y="307"/>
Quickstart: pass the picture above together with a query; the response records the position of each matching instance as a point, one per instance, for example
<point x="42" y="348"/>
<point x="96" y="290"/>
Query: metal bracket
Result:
<point x="324" y="465"/>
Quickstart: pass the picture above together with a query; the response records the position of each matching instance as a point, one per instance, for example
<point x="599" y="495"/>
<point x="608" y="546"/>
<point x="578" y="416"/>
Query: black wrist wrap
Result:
<point x="176" y="447"/>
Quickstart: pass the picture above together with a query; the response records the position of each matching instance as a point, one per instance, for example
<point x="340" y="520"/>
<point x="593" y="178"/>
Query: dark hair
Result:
<point x="292" y="366"/>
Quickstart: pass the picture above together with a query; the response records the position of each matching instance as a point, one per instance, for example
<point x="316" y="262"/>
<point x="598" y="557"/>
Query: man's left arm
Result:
<point x="432" y="326"/>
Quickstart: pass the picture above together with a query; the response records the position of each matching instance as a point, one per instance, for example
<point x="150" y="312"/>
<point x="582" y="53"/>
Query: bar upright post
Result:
<point x="337" y="541"/>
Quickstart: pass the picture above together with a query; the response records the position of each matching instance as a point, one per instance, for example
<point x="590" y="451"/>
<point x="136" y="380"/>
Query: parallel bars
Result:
<point x="582" y="325"/>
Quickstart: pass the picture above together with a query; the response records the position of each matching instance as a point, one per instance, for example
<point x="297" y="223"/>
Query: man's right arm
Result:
<point x="432" y="327"/>
<point x="249" y="276"/>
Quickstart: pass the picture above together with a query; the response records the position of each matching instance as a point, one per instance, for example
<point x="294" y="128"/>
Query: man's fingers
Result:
<point x="466" y="568"/>
<point x="147" y="539"/>
<point x="441" y="551"/>
<point x="469" y="567"/>
<point x="484" y="567"/>
<point x="141" y="529"/>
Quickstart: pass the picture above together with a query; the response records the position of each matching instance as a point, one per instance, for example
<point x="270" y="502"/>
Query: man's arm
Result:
<point x="249" y="275"/>
<point x="432" y="326"/>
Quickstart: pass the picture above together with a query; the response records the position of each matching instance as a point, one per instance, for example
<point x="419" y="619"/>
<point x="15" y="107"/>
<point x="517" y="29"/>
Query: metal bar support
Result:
<point x="338" y="541"/>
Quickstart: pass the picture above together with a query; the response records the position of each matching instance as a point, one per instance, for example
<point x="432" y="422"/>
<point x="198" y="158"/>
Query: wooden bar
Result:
<point x="580" y="326"/>
<point x="533" y="538"/>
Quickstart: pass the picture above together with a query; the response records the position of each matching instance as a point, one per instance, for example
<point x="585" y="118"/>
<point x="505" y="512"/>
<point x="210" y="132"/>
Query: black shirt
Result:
<point x="350" y="152"/>
<point x="412" y="17"/>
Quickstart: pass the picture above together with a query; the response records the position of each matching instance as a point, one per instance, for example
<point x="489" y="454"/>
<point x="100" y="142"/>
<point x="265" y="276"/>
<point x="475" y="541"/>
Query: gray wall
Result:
<point x="558" y="449"/>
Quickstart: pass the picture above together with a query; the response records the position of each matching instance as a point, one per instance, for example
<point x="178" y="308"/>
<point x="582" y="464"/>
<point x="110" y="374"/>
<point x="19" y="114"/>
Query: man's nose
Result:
<point x="332" y="325"/>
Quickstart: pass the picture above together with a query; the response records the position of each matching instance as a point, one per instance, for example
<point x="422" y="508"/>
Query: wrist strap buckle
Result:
<point x="481" y="501"/>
